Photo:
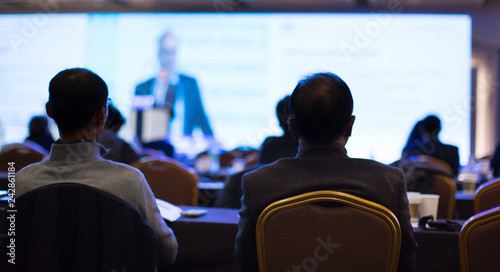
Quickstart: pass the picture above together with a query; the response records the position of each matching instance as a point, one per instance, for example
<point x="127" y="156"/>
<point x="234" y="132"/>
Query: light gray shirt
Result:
<point x="83" y="163"/>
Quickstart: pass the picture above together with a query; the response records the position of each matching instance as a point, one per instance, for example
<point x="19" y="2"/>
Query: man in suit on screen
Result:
<point x="175" y="91"/>
<point x="321" y="119"/>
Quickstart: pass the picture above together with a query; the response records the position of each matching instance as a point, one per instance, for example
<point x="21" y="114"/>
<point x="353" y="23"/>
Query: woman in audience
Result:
<point x="414" y="140"/>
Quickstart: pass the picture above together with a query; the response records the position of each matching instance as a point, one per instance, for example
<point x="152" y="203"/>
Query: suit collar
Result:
<point x="336" y="151"/>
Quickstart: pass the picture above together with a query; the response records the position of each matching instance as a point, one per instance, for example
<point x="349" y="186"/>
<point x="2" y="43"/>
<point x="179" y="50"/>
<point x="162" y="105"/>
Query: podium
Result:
<point x="148" y="122"/>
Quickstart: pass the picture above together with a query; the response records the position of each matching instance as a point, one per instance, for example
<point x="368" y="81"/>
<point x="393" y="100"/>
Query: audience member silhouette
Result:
<point x="321" y="119"/>
<point x="432" y="146"/>
<point x="274" y="148"/>
<point x="78" y="101"/>
<point x="414" y="139"/>
<point x="119" y="150"/>
<point x="39" y="132"/>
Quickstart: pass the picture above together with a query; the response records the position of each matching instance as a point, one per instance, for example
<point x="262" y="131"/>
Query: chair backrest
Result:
<point x="479" y="242"/>
<point x="75" y="227"/>
<point x="445" y="187"/>
<point x="435" y="161"/>
<point x="327" y="231"/>
<point x="170" y="180"/>
<point x="21" y="154"/>
<point x="487" y="196"/>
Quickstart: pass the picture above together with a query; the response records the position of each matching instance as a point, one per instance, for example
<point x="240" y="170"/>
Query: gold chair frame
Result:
<point x="453" y="190"/>
<point x="481" y="190"/>
<point x="331" y="196"/>
<point x="468" y="227"/>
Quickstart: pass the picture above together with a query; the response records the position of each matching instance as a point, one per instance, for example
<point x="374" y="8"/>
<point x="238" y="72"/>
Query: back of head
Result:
<point x="115" y="119"/>
<point x="75" y="96"/>
<point x="320" y="108"/>
<point x="432" y="125"/>
<point x="38" y="126"/>
<point x="282" y="112"/>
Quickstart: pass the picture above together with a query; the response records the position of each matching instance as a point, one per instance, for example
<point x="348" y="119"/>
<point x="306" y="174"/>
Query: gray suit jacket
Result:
<point x="321" y="169"/>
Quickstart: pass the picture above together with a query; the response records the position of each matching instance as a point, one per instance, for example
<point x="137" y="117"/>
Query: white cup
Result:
<point x="429" y="205"/>
<point x="414" y="200"/>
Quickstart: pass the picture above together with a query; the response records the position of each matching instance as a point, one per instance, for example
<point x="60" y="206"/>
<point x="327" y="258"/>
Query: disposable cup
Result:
<point x="414" y="200"/>
<point x="429" y="205"/>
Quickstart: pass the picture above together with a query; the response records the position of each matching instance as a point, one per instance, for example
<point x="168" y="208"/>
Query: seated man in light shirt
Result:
<point x="78" y="104"/>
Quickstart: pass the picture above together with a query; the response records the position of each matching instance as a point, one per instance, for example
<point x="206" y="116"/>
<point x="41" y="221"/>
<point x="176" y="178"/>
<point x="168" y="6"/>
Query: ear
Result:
<point x="348" y="130"/>
<point x="292" y="128"/>
<point x="101" y="117"/>
<point x="47" y="109"/>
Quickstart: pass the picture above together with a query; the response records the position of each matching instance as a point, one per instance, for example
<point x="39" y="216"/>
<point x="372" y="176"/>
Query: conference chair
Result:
<point x="445" y="187"/>
<point x="327" y="231"/>
<point x="170" y="180"/>
<point x="444" y="166"/>
<point x="479" y="242"/>
<point x="487" y="196"/>
<point x="21" y="154"/>
<point x="75" y="227"/>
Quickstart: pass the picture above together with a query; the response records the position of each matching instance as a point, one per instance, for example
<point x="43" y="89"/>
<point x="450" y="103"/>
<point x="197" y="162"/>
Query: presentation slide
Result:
<point x="399" y="67"/>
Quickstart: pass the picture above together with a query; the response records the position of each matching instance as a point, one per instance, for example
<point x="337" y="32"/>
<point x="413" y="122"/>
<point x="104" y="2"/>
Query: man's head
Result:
<point x="77" y="97"/>
<point x="432" y="126"/>
<point x="283" y="113"/>
<point x="167" y="51"/>
<point x="38" y="126"/>
<point x="321" y="109"/>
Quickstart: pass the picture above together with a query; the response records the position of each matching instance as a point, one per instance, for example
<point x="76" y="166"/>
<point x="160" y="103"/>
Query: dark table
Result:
<point x="206" y="244"/>
<point x="208" y="191"/>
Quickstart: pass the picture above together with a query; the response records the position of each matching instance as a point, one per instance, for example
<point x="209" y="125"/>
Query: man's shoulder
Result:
<point x="186" y="77"/>
<point x="122" y="169"/>
<point x="360" y="166"/>
<point x="144" y="87"/>
<point x="31" y="169"/>
<point x="451" y="147"/>
<point x="374" y="164"/>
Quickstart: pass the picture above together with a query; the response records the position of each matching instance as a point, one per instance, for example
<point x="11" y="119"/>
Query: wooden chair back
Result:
<point x="170" y="180"/>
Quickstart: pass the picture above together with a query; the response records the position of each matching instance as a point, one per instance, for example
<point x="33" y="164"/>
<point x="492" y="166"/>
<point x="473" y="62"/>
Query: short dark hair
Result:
<point x="38" y="125"/>
<point x="75" y="96"/>
<point x="432" y="125"/>
<point x="320" y="108"/>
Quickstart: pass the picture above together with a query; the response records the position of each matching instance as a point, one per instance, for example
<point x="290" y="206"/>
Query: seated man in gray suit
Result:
<point x="321" y="118"/>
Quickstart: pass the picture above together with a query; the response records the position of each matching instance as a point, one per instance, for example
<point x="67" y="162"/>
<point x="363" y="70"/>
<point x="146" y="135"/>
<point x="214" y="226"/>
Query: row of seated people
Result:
<point x="177" y="183"/>
<point x="321" y="162"/>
